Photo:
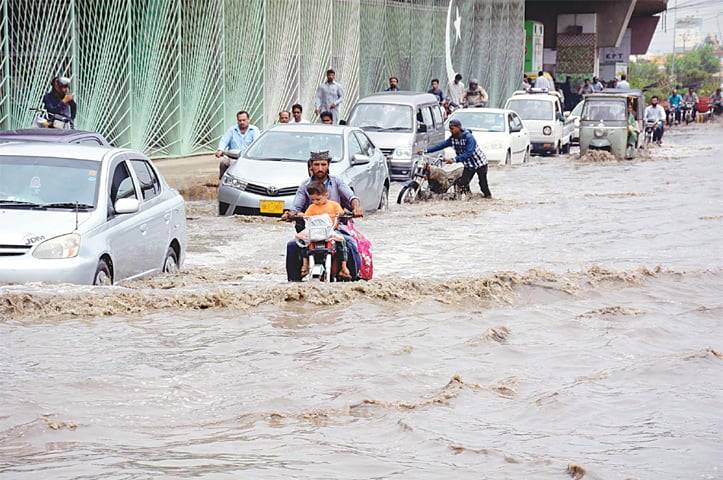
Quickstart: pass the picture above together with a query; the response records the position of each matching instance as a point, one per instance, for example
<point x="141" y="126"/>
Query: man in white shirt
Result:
<point x="296" y="112"/>
<point x="655" y="113"/>
<point x="623" y="83"/>
<point x="455" y="90"/>
<point x="542" y="82"/>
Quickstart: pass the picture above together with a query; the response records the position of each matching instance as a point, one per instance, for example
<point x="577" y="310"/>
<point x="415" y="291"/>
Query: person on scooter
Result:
<point x="655" y="113"/>
<point x="59" y="100"/>
<point x="468" y="153"/>
<point x="340" y="193"/>
<point x="475" y="96"/>
<point x="716" y="102"/>
<point x="239" y="137"/>
<point x="691" y="98"/>
<point x="674" y="100"/>
<point x="321" y="205"/>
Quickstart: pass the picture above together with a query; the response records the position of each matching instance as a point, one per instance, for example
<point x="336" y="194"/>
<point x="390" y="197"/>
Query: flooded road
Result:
<point x="571" y="326"/>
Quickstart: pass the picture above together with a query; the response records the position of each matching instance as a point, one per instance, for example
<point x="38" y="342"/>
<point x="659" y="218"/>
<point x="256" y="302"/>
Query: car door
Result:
<point x="516" y="138"/>
<point x="155" y="212"/>
<point x="123" y="231"/>
<point x="438" y="124"/>
<point x="361" y="175"/>
<point x="377" y="164"/>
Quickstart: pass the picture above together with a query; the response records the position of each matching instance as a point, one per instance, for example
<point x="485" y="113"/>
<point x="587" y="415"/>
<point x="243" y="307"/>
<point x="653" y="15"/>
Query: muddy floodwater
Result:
<point x="570" y="328"/>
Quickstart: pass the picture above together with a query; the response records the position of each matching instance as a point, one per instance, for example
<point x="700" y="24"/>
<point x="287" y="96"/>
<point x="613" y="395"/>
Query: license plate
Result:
<point x="275" y="207"/>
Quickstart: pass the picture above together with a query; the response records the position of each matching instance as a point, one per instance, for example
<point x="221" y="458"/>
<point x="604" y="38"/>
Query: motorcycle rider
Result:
<point x="655" y="113"/>
<point x="340" y="193"/>
<point x="59" y="100"/>
<point x="475" y="96"/>
<point x="675" y="100"/>
<point x="455" y="91"/>
<point x="691" y="97"/>
<point x="717" y="102"/>
<point x="468" y="153"/>
<point x="239" y="137"/>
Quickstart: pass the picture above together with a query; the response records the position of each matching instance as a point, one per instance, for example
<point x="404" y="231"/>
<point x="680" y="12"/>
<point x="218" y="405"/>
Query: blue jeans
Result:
<point x="294" y="260"/>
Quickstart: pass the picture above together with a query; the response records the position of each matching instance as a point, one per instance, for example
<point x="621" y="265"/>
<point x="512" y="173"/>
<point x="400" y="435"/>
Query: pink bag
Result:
<point x="366" y="270"/>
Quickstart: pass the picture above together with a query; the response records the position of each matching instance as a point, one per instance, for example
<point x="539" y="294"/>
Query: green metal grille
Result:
<point x="167" y="76"/>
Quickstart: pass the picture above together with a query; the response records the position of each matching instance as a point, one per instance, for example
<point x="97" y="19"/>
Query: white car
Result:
<point x="541" y="112"/>
<point x="85" y="214"/>
<point x="575" y="115"/>
<point x="499" y="133"/>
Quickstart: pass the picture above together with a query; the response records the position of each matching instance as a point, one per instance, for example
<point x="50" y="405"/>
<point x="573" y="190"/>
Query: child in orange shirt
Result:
<point x="321" y="205"/>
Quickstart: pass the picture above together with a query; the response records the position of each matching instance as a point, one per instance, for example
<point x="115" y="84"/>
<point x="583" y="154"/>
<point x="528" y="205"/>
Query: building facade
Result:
<point x="167" y="76"/>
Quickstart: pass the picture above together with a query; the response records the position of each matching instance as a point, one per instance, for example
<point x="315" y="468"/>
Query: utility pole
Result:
<point x="672" y="63"/>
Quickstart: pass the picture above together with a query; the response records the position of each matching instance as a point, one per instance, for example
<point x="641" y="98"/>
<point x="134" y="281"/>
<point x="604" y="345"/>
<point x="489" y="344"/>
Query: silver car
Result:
<point x="84" y="214"/>
<point x="265" y="179"/>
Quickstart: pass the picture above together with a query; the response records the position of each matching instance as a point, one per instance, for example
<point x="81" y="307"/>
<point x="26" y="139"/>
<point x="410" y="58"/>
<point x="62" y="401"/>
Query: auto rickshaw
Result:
<point x="604" y="122"/>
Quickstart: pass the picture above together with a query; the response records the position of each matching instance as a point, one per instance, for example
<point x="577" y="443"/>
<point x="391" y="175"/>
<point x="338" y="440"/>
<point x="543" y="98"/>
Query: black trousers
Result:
<point x="467" y="176"/>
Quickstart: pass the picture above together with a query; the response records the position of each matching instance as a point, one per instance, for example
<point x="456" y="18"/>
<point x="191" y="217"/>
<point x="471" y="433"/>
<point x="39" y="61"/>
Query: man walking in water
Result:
<point x="329" y="96"/>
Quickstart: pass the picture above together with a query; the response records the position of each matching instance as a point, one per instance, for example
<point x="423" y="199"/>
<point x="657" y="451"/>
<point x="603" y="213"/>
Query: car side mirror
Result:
<point x="236" y="153"/>
<point x="359" y="159"/>
<point x="342" y="122"/>
<point x="125" y="206"/>
<point x="421" y="128"/>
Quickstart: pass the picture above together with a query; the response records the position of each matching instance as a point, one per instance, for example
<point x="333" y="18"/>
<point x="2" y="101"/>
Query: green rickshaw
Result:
<point x="611" y="121"/>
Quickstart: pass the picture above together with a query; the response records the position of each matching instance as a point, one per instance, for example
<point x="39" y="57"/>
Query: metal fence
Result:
<point x="167" y="76"/>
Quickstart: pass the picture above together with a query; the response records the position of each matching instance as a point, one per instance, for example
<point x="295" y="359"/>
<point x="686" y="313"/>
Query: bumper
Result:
<point x="495" y="156"/>
<point x="400" y="169"/>
<point x="546" y="146"/>
<point x="235" y="202"/>
<point x="26" y="269"/>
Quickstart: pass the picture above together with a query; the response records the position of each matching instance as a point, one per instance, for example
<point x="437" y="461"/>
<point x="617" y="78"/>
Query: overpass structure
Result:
<point x="594" y="37"/>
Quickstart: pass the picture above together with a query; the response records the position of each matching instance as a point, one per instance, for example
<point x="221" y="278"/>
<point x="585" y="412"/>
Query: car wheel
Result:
<point x="508" y="158"/>
<point x="384" y="201"/>
<point x="170" y="264"/>
<point x="103" y="276"/>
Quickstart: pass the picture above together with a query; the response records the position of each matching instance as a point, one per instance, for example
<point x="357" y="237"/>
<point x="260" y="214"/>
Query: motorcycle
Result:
<point x="430" y="176"/>
<point x="717" y="107"/>
<point x="46" y="119"/>
<point x="320" y="246"/>
<point x="688" y="113"/>
<point x="649" y="131"/>
<point x="673" y="115"/>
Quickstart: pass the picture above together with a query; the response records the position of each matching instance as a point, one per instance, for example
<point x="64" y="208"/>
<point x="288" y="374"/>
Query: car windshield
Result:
<point x="531" y="109"/>
<point x="295" y="146"/>
<point x="606" y="110"/>
<point x="484" y="121"/>
<point x="380" y="117"/>
<point x="33" y="181"/>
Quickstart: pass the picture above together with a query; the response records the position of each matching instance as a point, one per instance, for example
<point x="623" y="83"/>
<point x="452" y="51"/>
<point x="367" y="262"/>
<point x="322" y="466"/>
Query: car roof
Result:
<point x="49" y="135"/>
<point x="536" y="95"/>
<point x="311" y="128"/>
<point x="403" y="97"/>
<point x="483" y="110"/>
<point x="56" y="150"/>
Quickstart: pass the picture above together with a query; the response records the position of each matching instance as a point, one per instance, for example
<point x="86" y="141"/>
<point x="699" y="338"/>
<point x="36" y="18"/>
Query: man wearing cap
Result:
<point x="59" y="100"/>
<point x="475" y="96"/>
<point x="338" y="192"/>
<point x="468" y="153"/>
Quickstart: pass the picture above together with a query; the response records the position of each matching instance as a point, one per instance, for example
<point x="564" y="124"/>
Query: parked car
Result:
<point x="83" y="214"/>
<point x="574" y="115"/>
<point x="400" y="123"/>
<point x="56" y="135"/>
<point x="264" y="180"/>
<point x="499" y="133"/>
<point x="541" y="113"/>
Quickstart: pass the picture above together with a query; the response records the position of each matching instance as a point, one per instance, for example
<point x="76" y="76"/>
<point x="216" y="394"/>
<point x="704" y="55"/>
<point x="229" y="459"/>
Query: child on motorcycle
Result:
<point x="321" y="205"/>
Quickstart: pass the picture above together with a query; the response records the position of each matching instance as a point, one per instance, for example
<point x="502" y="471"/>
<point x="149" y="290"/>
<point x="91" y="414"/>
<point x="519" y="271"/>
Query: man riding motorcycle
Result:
<point x="475" y="96"/>
<point x="59" y="100"/>
<point x="338" y="192"/>
<point x="717" y="102"/>
<point x="675" y="101"/>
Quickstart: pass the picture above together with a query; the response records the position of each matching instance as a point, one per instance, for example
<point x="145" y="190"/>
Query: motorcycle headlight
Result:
<point x="233" y="182"/>
<point x="547" y="130"/>
<point x="65" y="246"/>
<point x="599" y="132"/>
<point x="402" y="152"/>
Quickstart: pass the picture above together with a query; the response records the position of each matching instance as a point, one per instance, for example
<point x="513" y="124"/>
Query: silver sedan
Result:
<point x="265" y="179"/>
<point x="87" y="215"/>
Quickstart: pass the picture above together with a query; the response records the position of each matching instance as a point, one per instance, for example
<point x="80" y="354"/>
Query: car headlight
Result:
<point x="547" y="130"/>
<point x="233" y="182"/>
<point x="402" y="152"/>
<point x="599" y="132"/>
<point x="65" y="246"/>
<point x="495" y="146"/>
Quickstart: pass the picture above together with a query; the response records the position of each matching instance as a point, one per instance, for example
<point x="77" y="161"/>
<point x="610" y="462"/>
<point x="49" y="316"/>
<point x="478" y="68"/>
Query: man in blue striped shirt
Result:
<point x="239" y="137"/>
<point x="468" y="153"/>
